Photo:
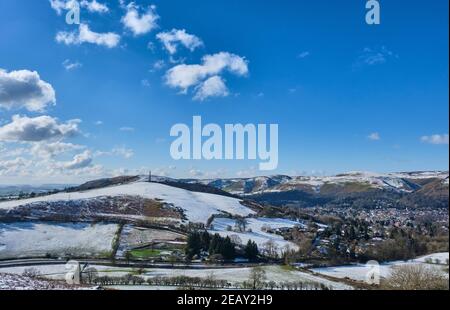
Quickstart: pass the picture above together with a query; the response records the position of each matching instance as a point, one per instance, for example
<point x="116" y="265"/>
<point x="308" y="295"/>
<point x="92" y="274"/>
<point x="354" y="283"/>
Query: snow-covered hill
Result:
<point x="197" y="207"/>
<point x="399" y="182"/>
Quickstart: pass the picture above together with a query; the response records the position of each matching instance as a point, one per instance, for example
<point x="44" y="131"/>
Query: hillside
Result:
<point x="138" y="199"/>
<point x="365" y="189"/>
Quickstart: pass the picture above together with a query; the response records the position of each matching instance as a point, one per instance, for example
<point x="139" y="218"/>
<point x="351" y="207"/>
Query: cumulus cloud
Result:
<point x="85" y="35"/>
<point x="26" y="129"/>
<point x="60" y="5"/>
<point x="137" y="23"/>
<point x="374" y="136"/>
<point x="79" y="161"/>
<point x="92" y="6"/>
<point x="185" y="76"/>
<point x="25" y="89"/>
<point x="212" y="87"/>
<point x="435" y="139"/>
<point x="175" y="37"/>
<point x="50" y="150"/>
<point x="124" y="152"/>
<point x="13" y="166"/>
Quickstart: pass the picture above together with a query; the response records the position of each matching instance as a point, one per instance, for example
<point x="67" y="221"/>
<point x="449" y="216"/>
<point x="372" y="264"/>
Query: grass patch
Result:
<point x="145" y="253"/>
<point x="288" y="268"/>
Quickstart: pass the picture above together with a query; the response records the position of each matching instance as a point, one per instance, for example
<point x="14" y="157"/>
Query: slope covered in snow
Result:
<point x="28" y="239"/>
<point x="257" y="231"/>
<point x="400" y="182"/>
<point x="198" y="207"/>
<point x="359" y="271"/>
<point x="24" y="283"/>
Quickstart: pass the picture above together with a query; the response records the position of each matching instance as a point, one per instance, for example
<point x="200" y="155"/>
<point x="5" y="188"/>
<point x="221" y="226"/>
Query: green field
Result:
<point x="145" y="253"/>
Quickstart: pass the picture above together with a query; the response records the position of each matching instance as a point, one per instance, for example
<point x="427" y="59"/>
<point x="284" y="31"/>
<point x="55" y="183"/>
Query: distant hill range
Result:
<point x="357" y="189"/>
<point x="14" y="190"/>
<point x="419" y="189"/>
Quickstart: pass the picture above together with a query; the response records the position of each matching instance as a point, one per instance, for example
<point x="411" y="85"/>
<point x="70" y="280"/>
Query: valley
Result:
<point x="128" y="232"/>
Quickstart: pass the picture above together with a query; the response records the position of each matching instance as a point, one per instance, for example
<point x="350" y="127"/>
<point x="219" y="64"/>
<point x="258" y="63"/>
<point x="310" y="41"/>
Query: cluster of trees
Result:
<point x="405" y="244"/>
<point x="127" y="279"/>
<point x="218" y="247"/>
<point x="189" y="282"/>
<point x="198" y="242"/>
<point x="299" y="285"/>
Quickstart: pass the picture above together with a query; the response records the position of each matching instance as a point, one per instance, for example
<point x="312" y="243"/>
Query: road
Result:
<point x="118" y="263"/>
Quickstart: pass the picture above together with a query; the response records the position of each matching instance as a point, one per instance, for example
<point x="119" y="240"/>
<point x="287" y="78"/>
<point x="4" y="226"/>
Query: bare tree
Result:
<point x="416" y="277"/>
<point x="241" y="224"/>
<point x="271" y="249"/>
<point x="236" y="239"/>
<point x="89" y="275"/>
<point x="257" y="278"/>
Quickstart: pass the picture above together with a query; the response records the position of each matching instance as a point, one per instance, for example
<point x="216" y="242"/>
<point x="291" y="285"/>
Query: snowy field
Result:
<point x="28" y="239"/>
<point x="359" y="271"/>
<point x="22" y="283"/>
<point x="255" y="230"/>
<point x="198" y="207"/>
<point x="232" y="275"/>
<point x="132" y="237"/>
<point x="239" y="275"/>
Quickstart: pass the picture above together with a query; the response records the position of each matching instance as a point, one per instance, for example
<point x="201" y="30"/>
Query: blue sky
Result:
<point x="347" y="96"/>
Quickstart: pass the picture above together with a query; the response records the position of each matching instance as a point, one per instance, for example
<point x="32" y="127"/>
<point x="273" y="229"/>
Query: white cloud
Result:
<point x="25" y="89"/>
<point x="435" y="139"/>
<point x="79" y="161"/>
<point x="94" y="6"/>
<point x="212" y="87"/>
<point x="69" y="65"/>
<point x="157" y="65"/>
<point x="60" y="5"/>
<point x="196" y="173"/>
<point x="374" y="136"/>
<point x="185" y="76"/>
<point x="13" y="166"/>
<point x="371" y="56"/>
<point x="173" y="38"/>
<point x="49" y="150"/>
<point x="85" y="35"/>
<point x="303" y="55"/>
<point x="124" y="152"/>
<point x="145" y="83"/>
<point x="98" y="123"/>
<point x="140" y="24"/>
<point x="25" y="129"/>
